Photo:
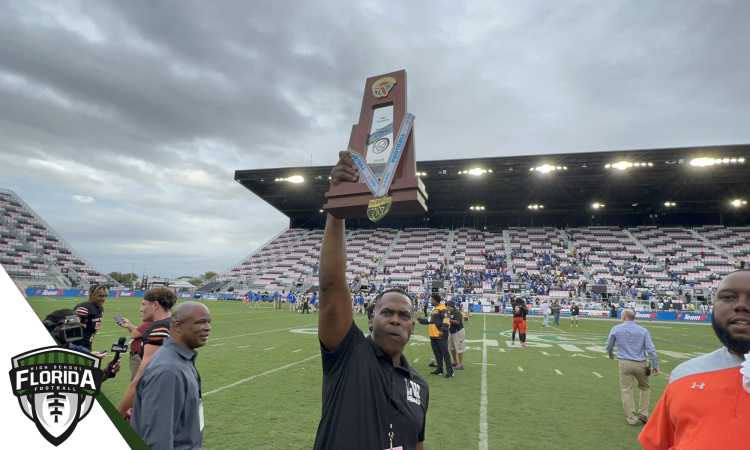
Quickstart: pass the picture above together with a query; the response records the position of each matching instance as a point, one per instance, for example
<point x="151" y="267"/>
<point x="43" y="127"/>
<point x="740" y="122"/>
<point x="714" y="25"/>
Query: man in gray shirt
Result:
<point x="168" y="410"/>
<point x="633" y="342"/>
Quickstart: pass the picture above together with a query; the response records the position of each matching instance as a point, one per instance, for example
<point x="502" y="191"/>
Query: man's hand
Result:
<point x="656" y="372"/>
<point x="344" y="170"/>
<point x="441" y="335"/>
<point x="125" y="323"/>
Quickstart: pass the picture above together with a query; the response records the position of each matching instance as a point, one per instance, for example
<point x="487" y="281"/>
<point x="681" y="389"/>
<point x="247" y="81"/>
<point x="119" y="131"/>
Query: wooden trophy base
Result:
<point x="350" y="200"/>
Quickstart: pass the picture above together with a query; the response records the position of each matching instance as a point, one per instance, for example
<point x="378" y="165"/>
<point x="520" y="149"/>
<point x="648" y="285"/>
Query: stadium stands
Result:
<point x="631" y="257"/>
<point x="32" y="252"/>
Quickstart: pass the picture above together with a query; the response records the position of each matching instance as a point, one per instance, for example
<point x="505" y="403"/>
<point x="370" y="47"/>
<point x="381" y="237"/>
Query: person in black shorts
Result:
<point x="574" y="313"/>
<point x="90" y="314"/>
<point x="156" y="308"/>
<point x="519" y="322"/>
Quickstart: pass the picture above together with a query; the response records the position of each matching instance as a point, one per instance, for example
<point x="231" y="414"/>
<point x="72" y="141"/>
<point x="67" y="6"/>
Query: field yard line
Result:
<point x="520" y="369"/>
<point x="483" y="402"/>
<point x="244" y="380"/>
<point x="415" y="361"/>
<point x="597" y="375"/>
<point x="261" y="332"/>
<point x="250" y="320"/>
<point x="266" y="349"/>
<point x="298" y="350"/>
<point x="558" y="372"/>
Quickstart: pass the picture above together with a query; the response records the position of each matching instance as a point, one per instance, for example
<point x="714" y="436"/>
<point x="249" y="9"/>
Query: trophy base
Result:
<point x="350" y="200"/>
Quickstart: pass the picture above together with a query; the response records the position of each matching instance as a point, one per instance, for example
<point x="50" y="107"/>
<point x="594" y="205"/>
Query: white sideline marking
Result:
<point x="502" y="350"/>
<point x="415" y="361"/>
<point x="583" y="356"/>
<point x="597" y="375"/>
<point x="558" y="372"/>
<point x="484" y="364"/>
<point x="664" y="361"/>
<point x="260" y="375"/>
<point x="243" y="346"/>
<point x="258" y="332"/>
<point x="520" y="369"/>
<point x="214" y="345"/>
<point x="267" y="349"/>
<point x="298" y="350"/>
<point x="547" y="354"/>
<point x="483" y="402"/>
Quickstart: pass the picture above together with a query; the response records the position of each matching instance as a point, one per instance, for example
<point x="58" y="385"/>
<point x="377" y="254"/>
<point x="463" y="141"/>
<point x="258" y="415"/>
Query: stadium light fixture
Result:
<point x="546" y="168"/>
<point x="296" y="179"/>
<point x="624" y="165"/>
<point x="421" y="174"/>
<point x="536" y="206"/>
<point x="737" y="203"/>
<point x="320" y="210"/>
<point x="598" y="205"/>
<point x="670" y="204"/>
<point x="475" y="171"/>
<point x="707" y="161"/>
<point x="477" y="208"/>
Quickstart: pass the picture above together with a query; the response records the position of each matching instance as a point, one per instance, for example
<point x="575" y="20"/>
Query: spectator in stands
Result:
<point x="391" y="389"/>
<point x="135" y="346"/>
<point x="704" y="405"/>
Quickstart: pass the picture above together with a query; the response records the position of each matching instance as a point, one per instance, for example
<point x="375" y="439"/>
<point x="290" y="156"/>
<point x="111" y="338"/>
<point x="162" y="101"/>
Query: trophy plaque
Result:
<point x="382" y="147"/>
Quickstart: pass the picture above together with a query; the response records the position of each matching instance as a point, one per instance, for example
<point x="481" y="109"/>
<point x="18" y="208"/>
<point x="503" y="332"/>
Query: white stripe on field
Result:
<point x="259" y="375"/>
<point x="483" y="402"/>
<point x="520" y="369"/>
<point x="261" y="332"/>
<point x="415" y="361"/>
<point x="558" y="372"/>
<point x="298" y="350"/>
<point x="266" y="349"/>
<point x="597" y="375"/>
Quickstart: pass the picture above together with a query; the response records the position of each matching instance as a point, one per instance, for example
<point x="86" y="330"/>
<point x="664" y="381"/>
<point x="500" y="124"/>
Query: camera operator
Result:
<point x="65" y="326"/>
<point x="90" y="313"/>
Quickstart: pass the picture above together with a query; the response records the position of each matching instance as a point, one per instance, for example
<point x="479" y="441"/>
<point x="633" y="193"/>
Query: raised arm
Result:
<point x="335" y="309"/>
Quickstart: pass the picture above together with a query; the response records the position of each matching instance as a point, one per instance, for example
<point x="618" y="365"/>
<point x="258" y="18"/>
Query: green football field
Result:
<point x="261" y="376"/>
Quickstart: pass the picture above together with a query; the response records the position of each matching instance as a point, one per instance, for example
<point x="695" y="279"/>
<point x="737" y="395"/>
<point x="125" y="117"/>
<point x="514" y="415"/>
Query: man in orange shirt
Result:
<point x="705" y="405"/>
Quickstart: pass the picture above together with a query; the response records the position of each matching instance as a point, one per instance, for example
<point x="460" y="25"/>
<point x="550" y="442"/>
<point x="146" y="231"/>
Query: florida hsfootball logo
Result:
<point x="55" y="388"/>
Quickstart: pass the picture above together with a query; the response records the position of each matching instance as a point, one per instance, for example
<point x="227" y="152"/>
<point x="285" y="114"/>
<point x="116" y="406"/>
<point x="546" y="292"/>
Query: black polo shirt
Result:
<point x="363" y="394"/>
<point x="455" y="315"/>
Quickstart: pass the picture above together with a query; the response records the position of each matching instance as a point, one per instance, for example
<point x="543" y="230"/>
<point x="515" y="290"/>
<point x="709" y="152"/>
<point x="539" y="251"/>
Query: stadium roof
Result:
<point x="563" y="186"/>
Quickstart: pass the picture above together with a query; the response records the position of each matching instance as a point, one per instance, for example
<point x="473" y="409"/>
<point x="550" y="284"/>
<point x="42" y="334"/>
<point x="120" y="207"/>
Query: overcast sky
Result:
<point x="122" y="122"/>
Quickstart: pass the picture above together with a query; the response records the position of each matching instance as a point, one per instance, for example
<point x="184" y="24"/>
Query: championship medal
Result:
<point x="383" y="86"/>
<point x="379" y="207"/>
<point x="381" y="204"/>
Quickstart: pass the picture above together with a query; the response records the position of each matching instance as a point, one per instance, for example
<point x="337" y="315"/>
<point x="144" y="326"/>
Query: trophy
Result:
<point x="382" y="147"/>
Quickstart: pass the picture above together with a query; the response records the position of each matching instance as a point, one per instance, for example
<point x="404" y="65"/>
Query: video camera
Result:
<point x="70" y="329"/>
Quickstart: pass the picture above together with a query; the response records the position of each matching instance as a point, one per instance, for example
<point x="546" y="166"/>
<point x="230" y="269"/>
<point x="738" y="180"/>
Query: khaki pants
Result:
<point x="630" y="370"/>
<point x="135" y="364"/>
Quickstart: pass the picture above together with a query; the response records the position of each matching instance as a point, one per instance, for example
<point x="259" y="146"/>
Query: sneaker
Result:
<point x="454" y="364"/>
<point x="437" y="372"/>
<point x="513" y="343"/>
<point x="633" y="425"/>
<point x="643" y="418"/>
<point x="449" y="374"/>
<point x="432" y="364"/>
<point x="523" y="345"/>
<point x="460" y="367"/>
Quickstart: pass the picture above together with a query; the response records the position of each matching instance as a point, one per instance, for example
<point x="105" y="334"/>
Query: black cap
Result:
<point x="451" y="303"/>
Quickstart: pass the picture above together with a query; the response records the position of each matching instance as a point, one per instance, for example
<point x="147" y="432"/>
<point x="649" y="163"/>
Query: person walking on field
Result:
<point x="519" y="322"/>
<point x="633" y="343"/>
<point x="439" y="329"/>
<point x="545" y="313"/>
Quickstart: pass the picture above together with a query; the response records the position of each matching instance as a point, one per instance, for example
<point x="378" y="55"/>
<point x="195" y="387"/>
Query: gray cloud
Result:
<point x="148" y="108"/>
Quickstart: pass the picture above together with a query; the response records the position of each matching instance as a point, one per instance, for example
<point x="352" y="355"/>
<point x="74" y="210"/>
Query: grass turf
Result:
<point x="261" y="377"/>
